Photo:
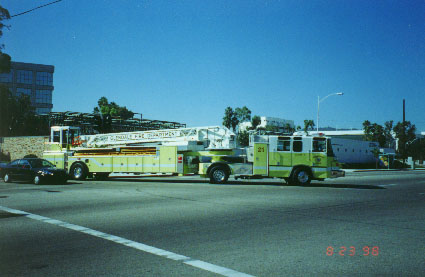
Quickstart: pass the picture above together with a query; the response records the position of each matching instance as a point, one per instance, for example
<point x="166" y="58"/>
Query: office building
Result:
<point x="34" y="80"/>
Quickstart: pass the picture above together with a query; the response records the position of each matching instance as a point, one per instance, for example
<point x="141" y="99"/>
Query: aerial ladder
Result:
<point x="211" y="137"/>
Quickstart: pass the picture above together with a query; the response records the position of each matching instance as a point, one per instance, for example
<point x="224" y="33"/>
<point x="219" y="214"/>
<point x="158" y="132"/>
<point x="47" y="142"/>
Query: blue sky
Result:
<point x="186" y="61"/>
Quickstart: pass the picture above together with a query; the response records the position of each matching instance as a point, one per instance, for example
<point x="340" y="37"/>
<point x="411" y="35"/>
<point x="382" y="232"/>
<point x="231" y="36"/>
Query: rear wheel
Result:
<point x="301" y="176"/>
<point x="218" y="175"/>
<point x="78" y="172"/>
<point x="7" y="178"/>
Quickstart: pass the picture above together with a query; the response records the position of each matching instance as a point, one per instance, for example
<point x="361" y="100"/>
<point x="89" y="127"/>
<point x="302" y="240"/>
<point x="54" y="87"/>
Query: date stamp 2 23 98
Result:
<point x="351" y="251"/>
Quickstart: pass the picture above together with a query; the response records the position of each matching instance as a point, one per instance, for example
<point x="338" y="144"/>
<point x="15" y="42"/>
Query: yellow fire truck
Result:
<point x="208" y="151"/>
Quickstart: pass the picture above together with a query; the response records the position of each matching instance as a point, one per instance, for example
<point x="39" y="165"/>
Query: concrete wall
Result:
<point x="18" y="147"/>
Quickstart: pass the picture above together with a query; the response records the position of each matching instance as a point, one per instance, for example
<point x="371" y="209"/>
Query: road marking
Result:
<point x="389" y="185"/>
<point x="133" y="244"/>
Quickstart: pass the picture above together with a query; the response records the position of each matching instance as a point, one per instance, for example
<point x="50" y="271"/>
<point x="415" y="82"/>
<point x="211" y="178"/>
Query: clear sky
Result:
<point x="186" y="61"/>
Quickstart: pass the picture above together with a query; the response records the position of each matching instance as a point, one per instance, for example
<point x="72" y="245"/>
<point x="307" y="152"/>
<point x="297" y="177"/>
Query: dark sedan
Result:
<point x="33" y="170"/>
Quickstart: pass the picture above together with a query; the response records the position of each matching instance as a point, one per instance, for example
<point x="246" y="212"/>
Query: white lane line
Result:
<point x="388" y="185"/>
<point x="133" y="244"/>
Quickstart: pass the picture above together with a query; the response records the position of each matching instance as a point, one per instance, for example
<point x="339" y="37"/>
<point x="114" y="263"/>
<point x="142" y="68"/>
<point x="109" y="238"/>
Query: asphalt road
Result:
<point x="368" y="223"/>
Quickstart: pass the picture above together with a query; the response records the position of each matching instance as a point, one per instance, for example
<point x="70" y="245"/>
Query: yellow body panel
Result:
<point x="261" y="155"/>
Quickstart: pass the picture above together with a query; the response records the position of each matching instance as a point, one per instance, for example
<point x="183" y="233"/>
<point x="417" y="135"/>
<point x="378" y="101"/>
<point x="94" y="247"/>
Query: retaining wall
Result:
<point x="18" y="147"/>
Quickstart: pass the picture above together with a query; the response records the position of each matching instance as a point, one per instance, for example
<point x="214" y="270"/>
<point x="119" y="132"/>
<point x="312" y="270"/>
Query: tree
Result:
<point x="17" y="116"/>
<point x="233" y="118"/>
<point x="106" y="111"/>
<point x="243" y="114"/>
<point x="256" y="120"/>
<point x="388" y="133"/>
<point x="375" y="132"/>
<point x="4" y="58"/>
<point x="288" y="128"/>
<point x="112" y="109"/>
<point x="243" y="138"/>
<point x="308" y="125"/>
<point x="405" y="133"/>
<point x="228" y="116"/>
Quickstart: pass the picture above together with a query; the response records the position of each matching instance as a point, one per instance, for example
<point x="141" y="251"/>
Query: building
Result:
<point x="34" y="80"/>
<point x="280" y="124"/>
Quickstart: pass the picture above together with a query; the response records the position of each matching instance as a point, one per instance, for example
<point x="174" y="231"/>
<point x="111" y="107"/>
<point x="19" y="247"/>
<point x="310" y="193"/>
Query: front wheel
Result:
<point x="301" y="176"/>
<point x="78" y="172"/>
<point x="218" y="175"/>
<point x="7" y="178"/>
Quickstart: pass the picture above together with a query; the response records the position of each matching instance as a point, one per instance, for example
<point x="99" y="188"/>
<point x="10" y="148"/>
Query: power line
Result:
<point x="39" y="7"/>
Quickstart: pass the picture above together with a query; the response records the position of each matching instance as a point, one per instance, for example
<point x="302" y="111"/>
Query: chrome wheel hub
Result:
<point x="78" y="172"/>
<point x="302" y="177"/>
<point x="219" y="175"/>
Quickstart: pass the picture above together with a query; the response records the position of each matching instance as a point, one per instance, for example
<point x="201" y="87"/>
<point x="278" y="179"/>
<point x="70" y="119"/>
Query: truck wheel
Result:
<point x="7" y="178"/>
<point x="301" y="176"/>
<point x="218" y="175"/>
<point x="78" y="172"/>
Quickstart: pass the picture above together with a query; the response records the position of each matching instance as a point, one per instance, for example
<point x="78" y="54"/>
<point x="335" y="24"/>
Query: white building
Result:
<point x="268" y="121"/>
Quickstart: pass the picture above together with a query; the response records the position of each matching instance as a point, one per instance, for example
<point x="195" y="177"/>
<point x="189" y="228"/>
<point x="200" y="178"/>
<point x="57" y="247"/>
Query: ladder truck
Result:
<point x="211" y="152"/>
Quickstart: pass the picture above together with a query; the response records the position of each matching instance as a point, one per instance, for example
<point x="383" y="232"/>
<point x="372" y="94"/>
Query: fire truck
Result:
<point x="210" y="152"/>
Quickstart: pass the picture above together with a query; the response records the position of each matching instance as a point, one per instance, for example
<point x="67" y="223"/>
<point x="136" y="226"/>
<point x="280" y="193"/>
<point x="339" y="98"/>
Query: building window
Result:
<point x="23" y="91"/>
<point x="44" y="78"/>
<point x="43" y="96"/>
<point x="6" y="77"/>
<point x="42" y="110"/>
<point x="24" y="76"/>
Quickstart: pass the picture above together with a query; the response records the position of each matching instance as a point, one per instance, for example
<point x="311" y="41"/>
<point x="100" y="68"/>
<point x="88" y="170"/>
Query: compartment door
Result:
<point x="168" y="159"/>
<point x="261" y="159"/>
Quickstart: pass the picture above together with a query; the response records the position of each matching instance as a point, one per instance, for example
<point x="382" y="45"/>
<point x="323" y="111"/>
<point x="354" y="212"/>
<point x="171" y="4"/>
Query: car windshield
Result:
<point x="40" y="163"/>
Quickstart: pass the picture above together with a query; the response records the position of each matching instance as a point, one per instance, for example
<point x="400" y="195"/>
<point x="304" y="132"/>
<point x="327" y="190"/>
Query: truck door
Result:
<point x="284" y="150"/>
<point x="261" y="159"/>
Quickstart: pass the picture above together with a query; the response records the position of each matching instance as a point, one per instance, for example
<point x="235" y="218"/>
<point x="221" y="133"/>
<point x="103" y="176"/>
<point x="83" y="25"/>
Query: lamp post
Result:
<point x="318" y="105"/>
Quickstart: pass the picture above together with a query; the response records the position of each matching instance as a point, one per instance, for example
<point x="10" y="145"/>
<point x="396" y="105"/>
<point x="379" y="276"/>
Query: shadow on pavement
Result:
<point x="340" y="186"/>
<point x="245" y="183"/>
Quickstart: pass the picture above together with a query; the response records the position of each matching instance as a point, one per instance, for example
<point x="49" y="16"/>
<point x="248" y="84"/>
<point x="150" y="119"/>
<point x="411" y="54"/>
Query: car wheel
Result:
<point x="7" y="178"/>
<point x="78" y="172"/>
<point x="218" y="175"/>
<point x="301" y="176"/>
<point x="37" y="180"/>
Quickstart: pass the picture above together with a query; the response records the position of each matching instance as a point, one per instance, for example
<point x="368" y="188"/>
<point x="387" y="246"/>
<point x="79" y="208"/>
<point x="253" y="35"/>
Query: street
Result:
<point x="368" y="223"/>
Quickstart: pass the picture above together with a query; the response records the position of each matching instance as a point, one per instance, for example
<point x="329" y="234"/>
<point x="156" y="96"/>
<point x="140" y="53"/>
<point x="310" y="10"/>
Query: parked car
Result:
<point x="34" y="170"/>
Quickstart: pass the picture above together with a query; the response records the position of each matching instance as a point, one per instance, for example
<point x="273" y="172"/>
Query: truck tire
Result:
<point x="301" y="176"/>
<point x="78" y="172"/>
<point x="218" y="175"/>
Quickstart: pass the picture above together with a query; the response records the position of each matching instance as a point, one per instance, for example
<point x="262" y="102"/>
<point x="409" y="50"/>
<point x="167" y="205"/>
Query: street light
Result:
<point x="318" y="105"/>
